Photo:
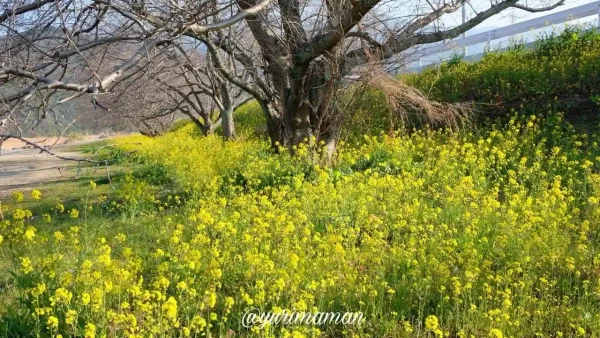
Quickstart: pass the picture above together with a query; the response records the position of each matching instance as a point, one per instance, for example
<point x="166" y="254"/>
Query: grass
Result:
<point x="560" y="74"/>
<point x="432" y="234"/>
<point x="488" y="232"/>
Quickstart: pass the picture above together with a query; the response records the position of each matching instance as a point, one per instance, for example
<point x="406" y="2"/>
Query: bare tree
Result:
<point x="198" y="89"/>
<point x="182" y="82"/>
<point x="306" y="49"/>
<point x="54" y="52"/>
<point x="290" y="55"/>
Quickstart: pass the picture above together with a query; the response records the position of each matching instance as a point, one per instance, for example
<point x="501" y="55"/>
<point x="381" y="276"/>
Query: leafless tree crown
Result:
<point x="152" y="59"/>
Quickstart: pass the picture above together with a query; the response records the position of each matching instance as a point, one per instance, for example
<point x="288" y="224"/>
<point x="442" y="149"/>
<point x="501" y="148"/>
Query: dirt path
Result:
<point x="14" y="144"/>
<point x="26" y="168"/>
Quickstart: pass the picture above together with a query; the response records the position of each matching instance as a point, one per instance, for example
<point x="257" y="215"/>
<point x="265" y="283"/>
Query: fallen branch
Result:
<point x="108" y="175"/>
<point x="72" y="177"/>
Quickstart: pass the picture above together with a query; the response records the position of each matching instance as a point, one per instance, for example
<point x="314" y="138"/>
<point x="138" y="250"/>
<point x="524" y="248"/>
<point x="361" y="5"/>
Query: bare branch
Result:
<point x="23" y="9"/>
<point x="47" y="151"/>
<point x="241" y="15"/>
<point x="541" y="9"/>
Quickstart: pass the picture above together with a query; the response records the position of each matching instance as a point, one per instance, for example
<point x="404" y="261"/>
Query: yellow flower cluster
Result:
<point x="435" y="234"/>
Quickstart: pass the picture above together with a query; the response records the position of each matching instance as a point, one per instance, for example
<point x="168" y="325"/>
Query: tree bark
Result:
<point x="275" y="126"/>
<point x="310" y="114"/>
<point x="208" y="128"/>
<point x="205" y="125"/>
<point x="227" y="112"/>
<point x="228" y="125"/>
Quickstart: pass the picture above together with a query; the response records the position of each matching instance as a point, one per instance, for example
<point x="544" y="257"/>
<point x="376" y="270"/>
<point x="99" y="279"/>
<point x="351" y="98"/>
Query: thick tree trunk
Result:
<point x="209" y="126"/>
<point x="310" y="109"/>
<point x="275" y="126"/>
<point x="298" y="113"/>
<point x="228" y="125"/>
<point x="330" y="140"/>
<point x="227" y="113"/>
<point x="208" y="129"/>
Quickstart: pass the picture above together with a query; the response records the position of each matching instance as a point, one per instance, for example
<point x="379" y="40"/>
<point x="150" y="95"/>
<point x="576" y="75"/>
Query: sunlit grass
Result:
<point x="435" y="234"/>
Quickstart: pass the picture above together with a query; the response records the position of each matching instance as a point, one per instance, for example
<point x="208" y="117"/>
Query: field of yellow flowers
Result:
<point x="486" y="233"/>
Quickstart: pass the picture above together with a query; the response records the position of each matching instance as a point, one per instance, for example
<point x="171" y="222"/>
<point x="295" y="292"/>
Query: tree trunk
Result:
<point x="310" y="109"/>
<point x="228" y="125"/>
<point x="275" y="126"/>
<point x="330" y="140"/>
<point x="227" y="113"/>
<point x="208" y="129"/>
<point x="298" y="113"/>
<point x="205" y="126"/>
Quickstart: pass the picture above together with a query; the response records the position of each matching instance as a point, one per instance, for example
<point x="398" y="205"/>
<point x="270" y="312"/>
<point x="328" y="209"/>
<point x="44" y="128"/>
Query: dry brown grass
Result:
<point x="405" y="103"/>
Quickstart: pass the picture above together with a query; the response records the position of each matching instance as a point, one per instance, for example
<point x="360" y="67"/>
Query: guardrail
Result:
<point x="508" y="31"/>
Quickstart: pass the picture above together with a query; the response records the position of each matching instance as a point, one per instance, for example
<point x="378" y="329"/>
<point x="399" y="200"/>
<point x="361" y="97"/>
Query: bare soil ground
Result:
<point x="15" y="144"/>
<point x="27" y="168"/>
